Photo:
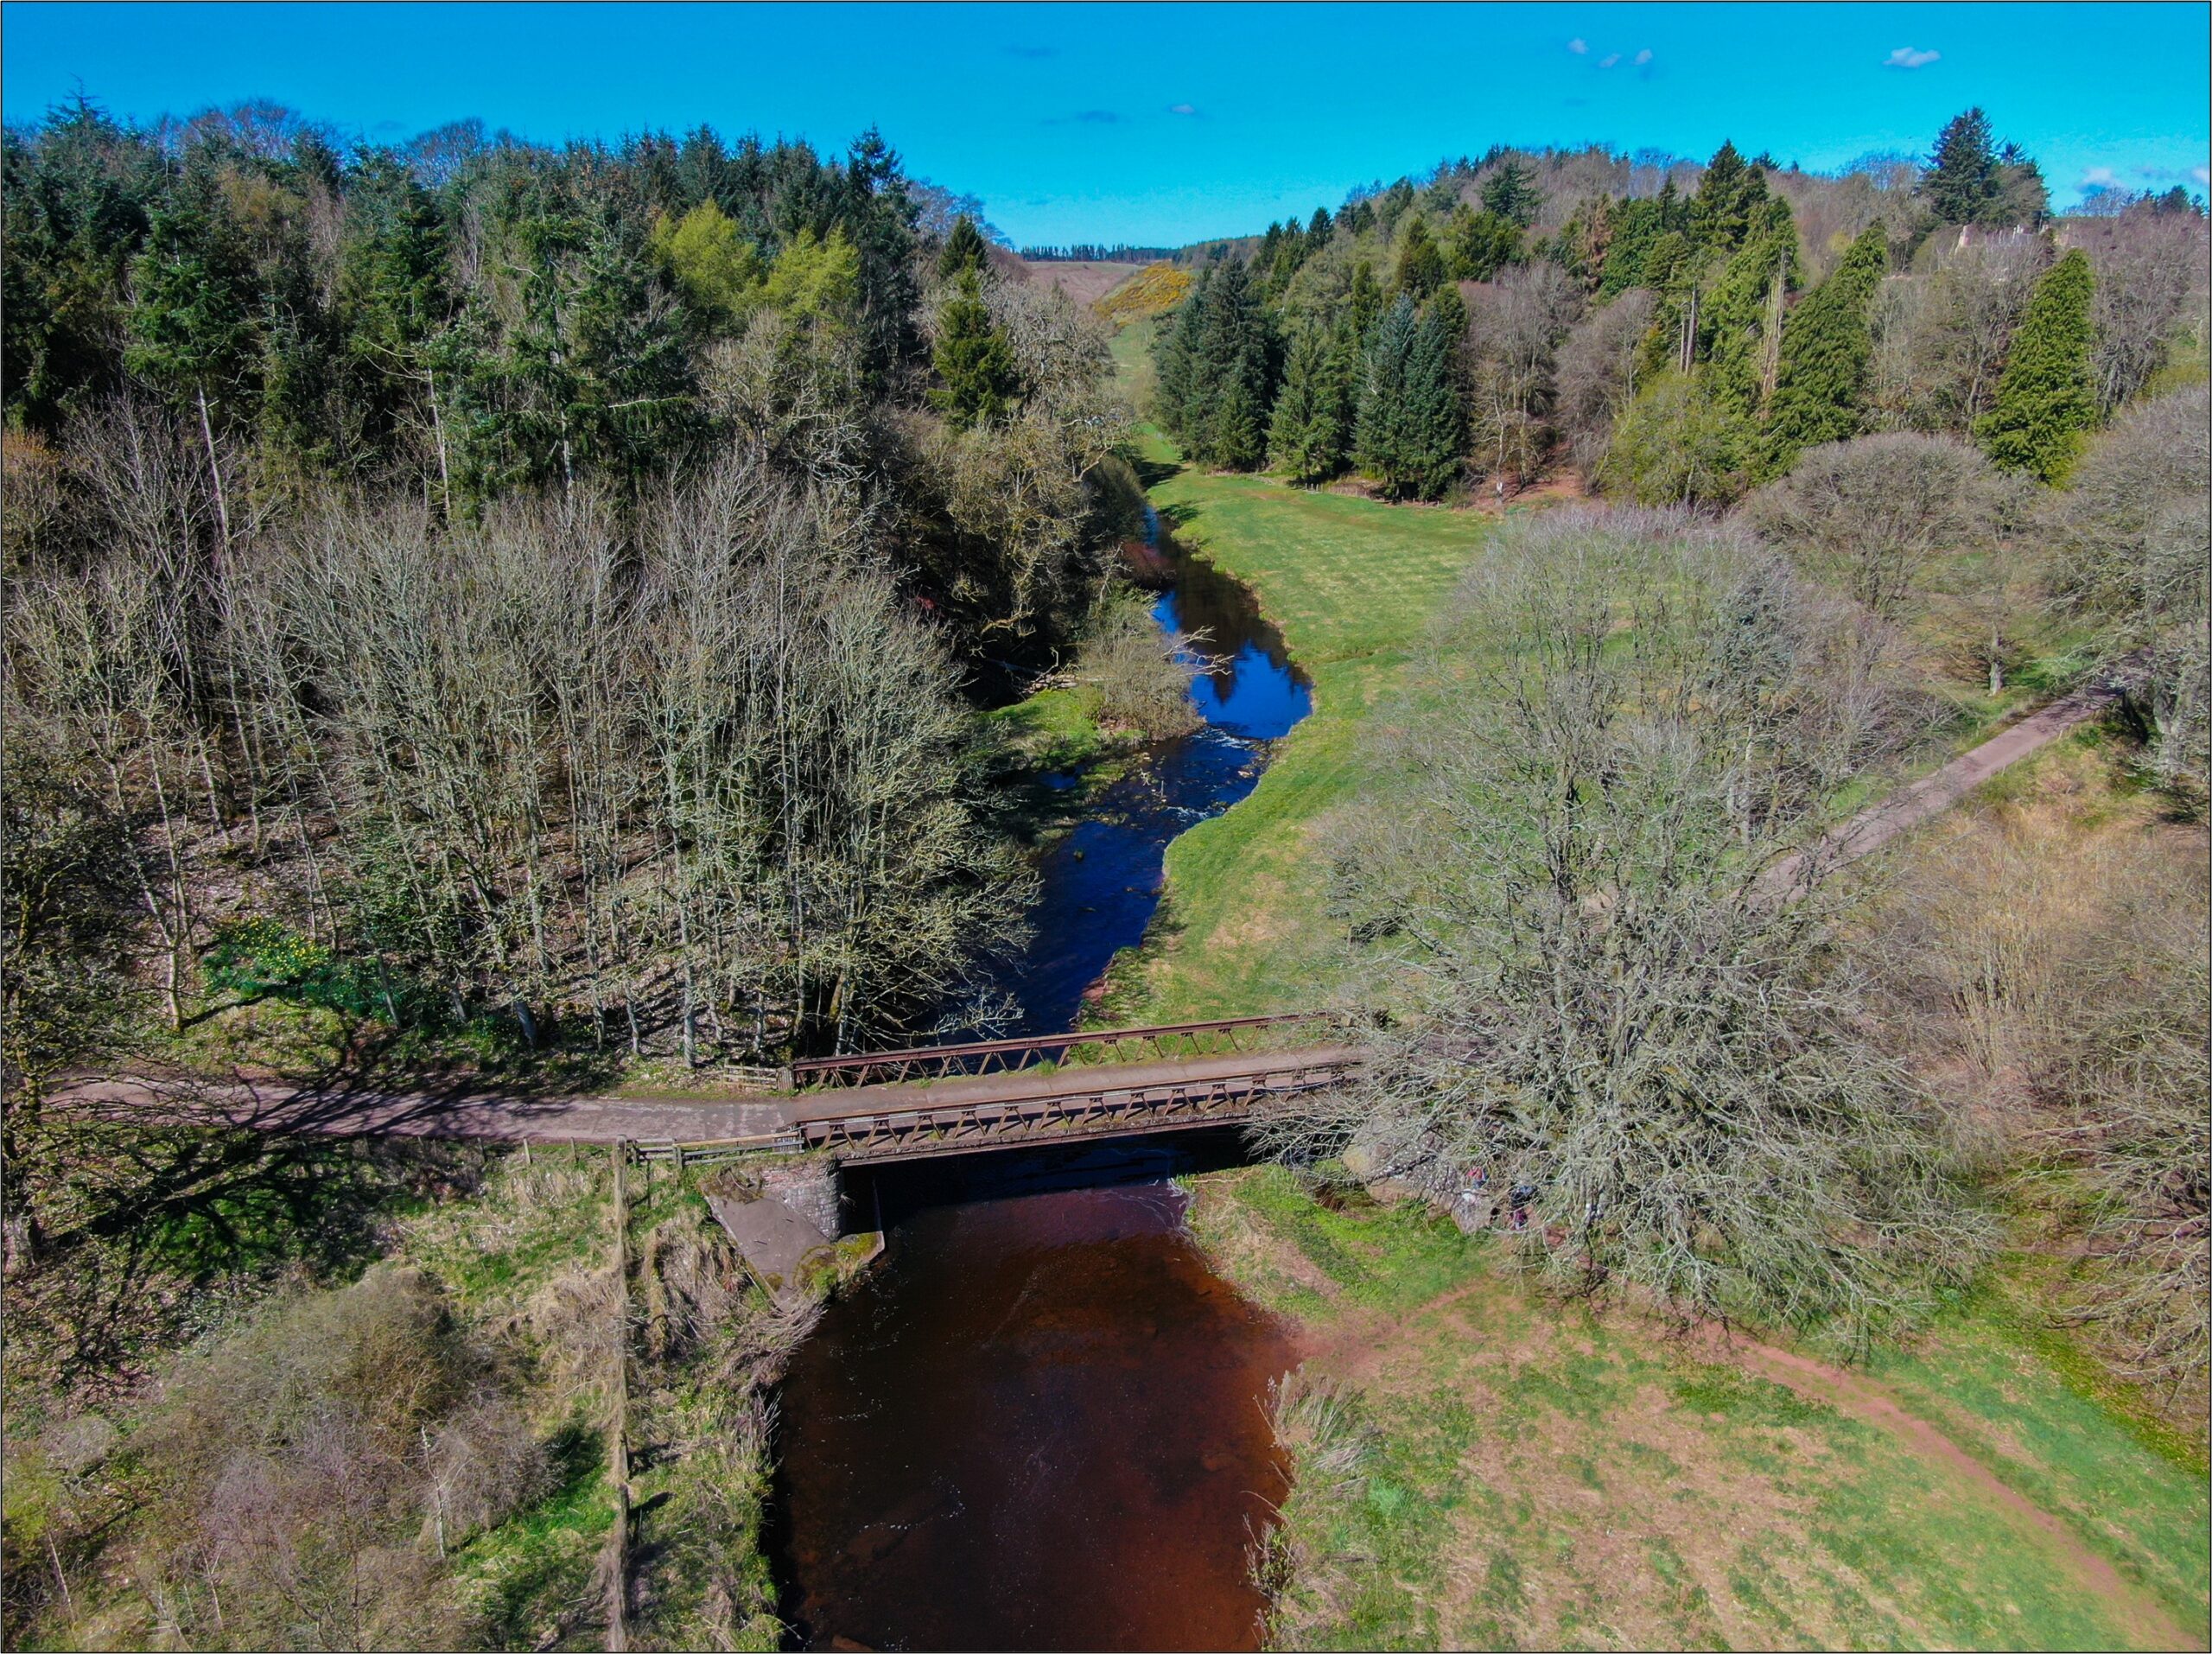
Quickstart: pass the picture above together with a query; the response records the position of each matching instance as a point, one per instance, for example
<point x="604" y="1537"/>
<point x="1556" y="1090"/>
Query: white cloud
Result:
<point x="1907" y="57"/>
<point x="2099" y="178"/>
<point x="2202" y="174"/>
<point x="1643" y="57"/>
<point x="1182" y="109"/>
<point x="1607" y="61"/>
<point x="1577" y="46"/>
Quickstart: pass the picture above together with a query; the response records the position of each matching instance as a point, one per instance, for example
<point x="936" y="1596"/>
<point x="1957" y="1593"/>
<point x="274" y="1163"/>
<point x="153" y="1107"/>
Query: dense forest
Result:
<point x="550" y="583"/>
<point x="1665" y="334"/>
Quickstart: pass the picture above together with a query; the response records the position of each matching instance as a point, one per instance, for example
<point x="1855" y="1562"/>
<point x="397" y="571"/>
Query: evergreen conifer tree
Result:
<point x="1821" y="386"/>
<point x="1961" y="184"/>
<point x="1317" y="230"/>
<point x="1302" y="437"/>
<point x="2046" y="399"/>
<point x="1739" y="322"/>
<point x="1510" y="194"/>
<point x="1175" y="360"/>
<point x="1482" y="245"/>
<point x="1436" y="408"/>
<point x="1636" y="227"/>
<point x="1670" y="270"/>
<point x="193" y="296"/>
<point x="1412" y="422"/>
<point x="964" y="250"/>
<point x="1421" y="266"/>
<point x="1720" y="212"/>
<point x="1238" y="434"/>
<point x="973" y="362"/>
<point x="1364" y="304"/>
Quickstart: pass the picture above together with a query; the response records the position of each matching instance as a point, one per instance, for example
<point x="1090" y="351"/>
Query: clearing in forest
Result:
<point x="1352" y="584"/>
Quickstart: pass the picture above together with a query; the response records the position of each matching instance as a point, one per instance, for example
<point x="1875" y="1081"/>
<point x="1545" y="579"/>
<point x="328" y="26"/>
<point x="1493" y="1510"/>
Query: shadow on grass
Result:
<point x="1151" y="472"/>
<point x="542" y="1578"/>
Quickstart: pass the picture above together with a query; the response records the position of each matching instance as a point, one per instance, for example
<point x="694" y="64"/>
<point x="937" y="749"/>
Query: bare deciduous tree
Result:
<point x="1620" y="1017"/>
<point x="2131" y="555"/>
<point x="1878" y="509"/>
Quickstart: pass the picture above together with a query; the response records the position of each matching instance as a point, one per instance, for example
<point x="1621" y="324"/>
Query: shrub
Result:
<point x="1873" y="513"/>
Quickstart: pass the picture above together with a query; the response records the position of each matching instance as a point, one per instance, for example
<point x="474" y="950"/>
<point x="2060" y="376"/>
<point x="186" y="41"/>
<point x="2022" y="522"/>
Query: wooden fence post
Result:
<point x="618" y="1458"/>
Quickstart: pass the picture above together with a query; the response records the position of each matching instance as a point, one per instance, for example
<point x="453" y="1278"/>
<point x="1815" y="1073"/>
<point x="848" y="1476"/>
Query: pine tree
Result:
<point x="1421" y="266"/>
<point x="1364" y="304"/>
<point x="964" y="250"/>
<point x="1482" y="245"/>
<point x="1237" y="437"/>
<point x="1739" y="322"/>
<point x="1436" y="407"/>
<point x="1670" y="270"/>
<point x="1175" y="360"/>
<point x="1821" y="387"/>
<point x="1307" y="437"/>
<point x="2046" y="400"/>
<point x="973" y="362"/>
<point x="193" y="297"/>
<point x="879" y="218"/>
<point x="1510" y="194"/>
<point x="1720" y="212"/>
<point x="1962" y="184"/>
<point x="1637" y="226"/>
<point x="1378" y="442"/>
<point x="1318" y="231"/>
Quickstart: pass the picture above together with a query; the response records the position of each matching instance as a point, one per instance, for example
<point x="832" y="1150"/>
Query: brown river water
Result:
<point x="1038" y="1421"/>
<point x="1037" y="1424"/>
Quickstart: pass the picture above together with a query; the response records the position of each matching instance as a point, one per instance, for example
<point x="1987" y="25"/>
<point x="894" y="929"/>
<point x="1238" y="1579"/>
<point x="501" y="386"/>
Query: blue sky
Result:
<point x="1173" y="122"/>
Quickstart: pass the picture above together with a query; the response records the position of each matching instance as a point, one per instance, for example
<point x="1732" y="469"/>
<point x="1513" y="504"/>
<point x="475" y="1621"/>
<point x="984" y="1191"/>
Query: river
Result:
<point x="1036" y="1422"/>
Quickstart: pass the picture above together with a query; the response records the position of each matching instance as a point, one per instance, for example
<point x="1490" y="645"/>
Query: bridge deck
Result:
<point x="988" y="1110"/>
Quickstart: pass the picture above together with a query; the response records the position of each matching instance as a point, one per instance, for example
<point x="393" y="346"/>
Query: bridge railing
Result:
<point x="1094" y="1045"/>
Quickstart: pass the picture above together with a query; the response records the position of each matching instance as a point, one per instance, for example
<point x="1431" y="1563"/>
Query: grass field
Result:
<point x="1352" y="584"/>
<point x="1505" y="1472"/>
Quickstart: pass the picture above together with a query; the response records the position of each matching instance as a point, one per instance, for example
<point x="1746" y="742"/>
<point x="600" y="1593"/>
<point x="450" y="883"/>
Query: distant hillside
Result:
<point x="1085" y="281"/>
<point x="1154" y="290"/>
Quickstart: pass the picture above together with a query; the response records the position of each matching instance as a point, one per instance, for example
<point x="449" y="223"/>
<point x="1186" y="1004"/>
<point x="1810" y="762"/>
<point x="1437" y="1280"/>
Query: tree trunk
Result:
<point x="215" y="470"/>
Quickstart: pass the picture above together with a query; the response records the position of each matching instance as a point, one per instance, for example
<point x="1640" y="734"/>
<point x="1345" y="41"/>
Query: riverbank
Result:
<point x="1479" y="1466"/>
<point x="497" y="1294"/>
<point x="1352" y="584"/>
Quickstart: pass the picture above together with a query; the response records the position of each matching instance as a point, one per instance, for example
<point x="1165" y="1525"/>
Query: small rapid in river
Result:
<point x="1038" y="1421"/>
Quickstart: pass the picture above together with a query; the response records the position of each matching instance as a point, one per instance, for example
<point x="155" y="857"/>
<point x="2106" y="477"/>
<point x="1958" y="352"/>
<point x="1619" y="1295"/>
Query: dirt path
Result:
<point x="1931" y="795"/>
<point x="1360" y="1344"/>
<point x="1868" y="1400"/>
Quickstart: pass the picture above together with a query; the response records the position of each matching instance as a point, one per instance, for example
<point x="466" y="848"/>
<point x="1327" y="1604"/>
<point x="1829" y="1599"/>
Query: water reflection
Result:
<point x="1033" y="1425"/>
<point x="1099" y="885"/>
